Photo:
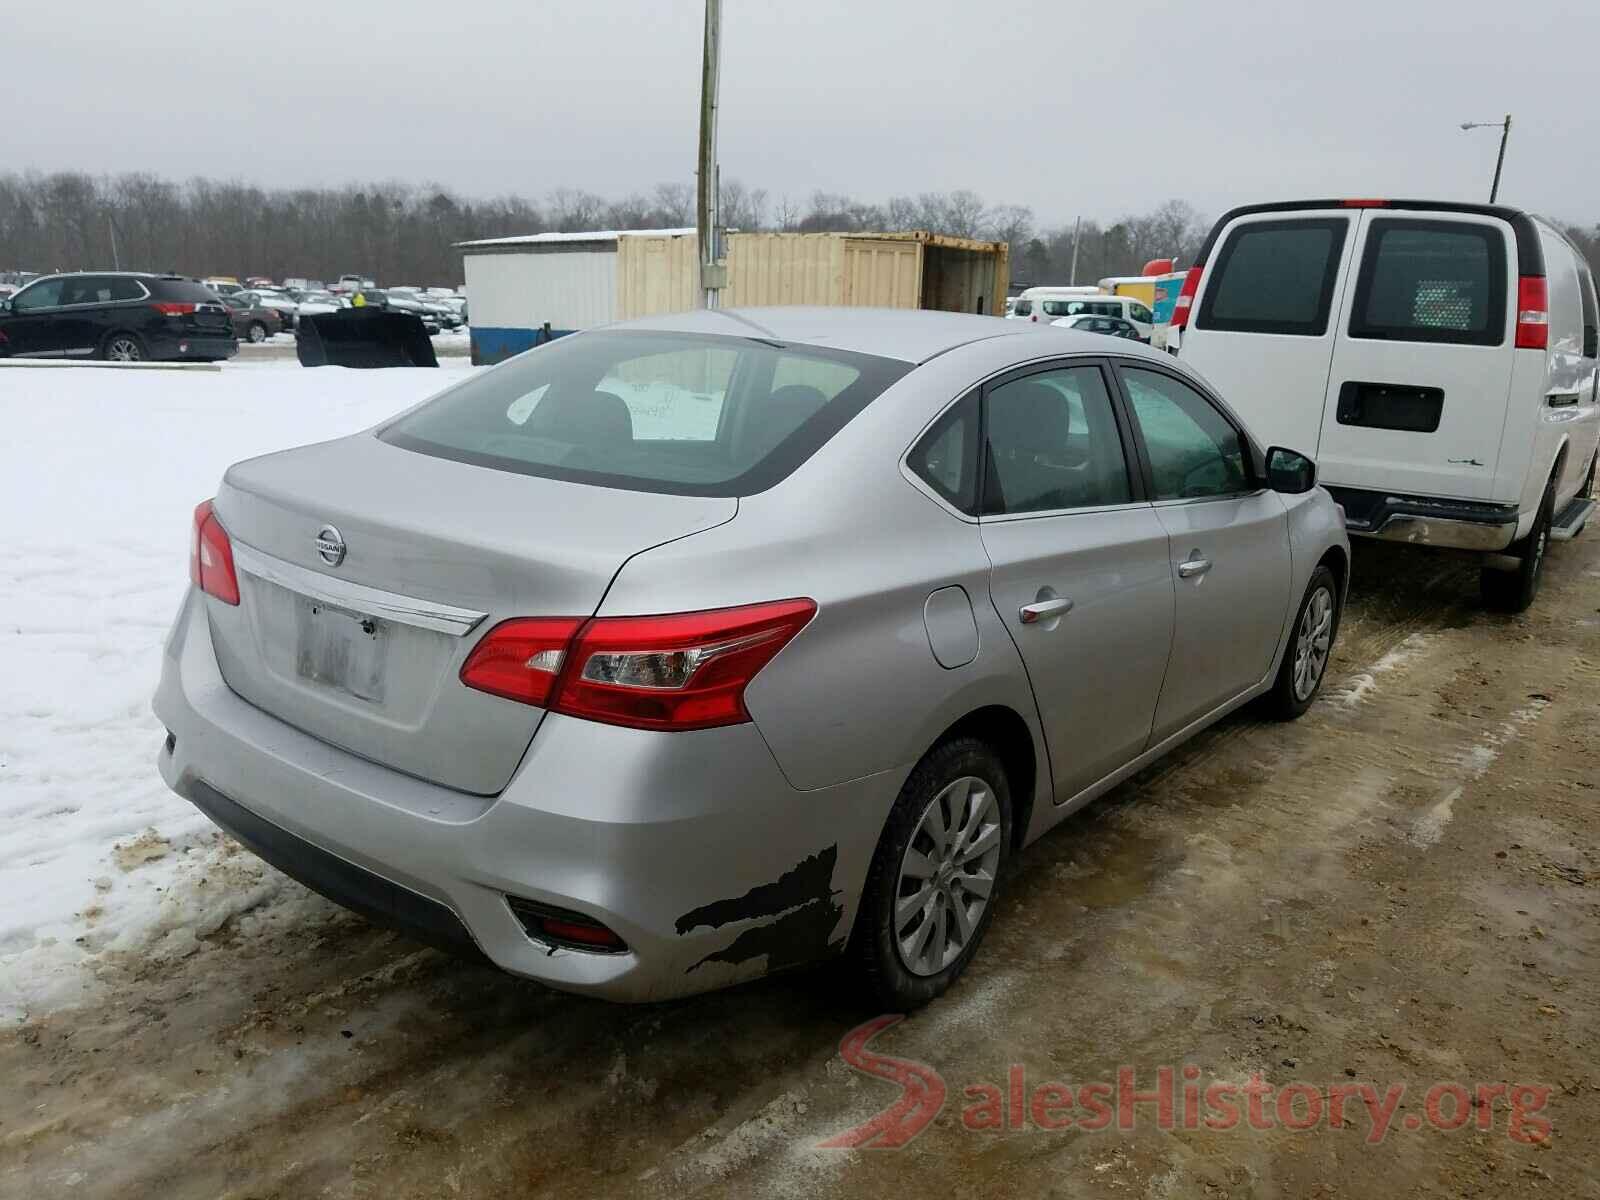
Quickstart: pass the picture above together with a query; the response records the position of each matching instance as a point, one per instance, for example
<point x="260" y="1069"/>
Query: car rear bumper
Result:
<point x="692" y="847"/>
<point x="195" y="346"/>
<point x="1428" y="520"/>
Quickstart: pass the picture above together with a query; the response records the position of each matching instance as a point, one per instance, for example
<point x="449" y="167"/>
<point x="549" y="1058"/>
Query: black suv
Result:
<point x="118" y="315"/>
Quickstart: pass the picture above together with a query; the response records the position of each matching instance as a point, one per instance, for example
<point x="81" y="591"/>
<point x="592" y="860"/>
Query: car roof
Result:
<point x="910" y="335"/>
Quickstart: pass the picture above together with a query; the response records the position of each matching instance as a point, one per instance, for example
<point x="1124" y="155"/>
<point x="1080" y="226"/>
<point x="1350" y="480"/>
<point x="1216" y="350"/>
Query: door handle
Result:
<point x="1194" y="567"/>
<point x="1044" y="610"/>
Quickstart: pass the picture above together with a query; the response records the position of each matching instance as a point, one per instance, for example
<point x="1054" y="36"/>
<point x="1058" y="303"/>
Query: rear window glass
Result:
<point x="1432" y="281"/>
<point x="1274" y="277"/>
<point x="187" y="290"/>
<point x="656" y="412"/>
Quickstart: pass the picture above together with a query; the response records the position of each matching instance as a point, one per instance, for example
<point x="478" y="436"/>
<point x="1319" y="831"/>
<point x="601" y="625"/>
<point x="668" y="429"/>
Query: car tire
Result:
<point x="904" y="963"/>
<point x="257" y="332"/>
<point x="1513" y="591"/>
<point x="123" y="347"/>
<point x="1311" y="640"/>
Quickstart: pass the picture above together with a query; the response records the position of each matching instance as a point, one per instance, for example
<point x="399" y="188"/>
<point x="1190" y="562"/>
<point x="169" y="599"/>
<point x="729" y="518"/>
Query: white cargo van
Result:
<point x="1438" y="360"/>
<point x="1046" y="304"/>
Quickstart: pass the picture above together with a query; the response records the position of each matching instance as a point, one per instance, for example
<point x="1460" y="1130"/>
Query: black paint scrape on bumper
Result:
<point x="374" y="897"/>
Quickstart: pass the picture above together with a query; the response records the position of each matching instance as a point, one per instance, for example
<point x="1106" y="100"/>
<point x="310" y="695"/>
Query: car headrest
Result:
<point x="583" y="418"/>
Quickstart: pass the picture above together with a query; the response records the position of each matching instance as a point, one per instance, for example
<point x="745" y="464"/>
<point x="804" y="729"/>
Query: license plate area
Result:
<point x="340" y="648"/>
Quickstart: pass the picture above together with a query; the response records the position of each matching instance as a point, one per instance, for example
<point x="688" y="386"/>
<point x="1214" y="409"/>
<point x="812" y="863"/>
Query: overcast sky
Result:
<point x="1068" y="106"/>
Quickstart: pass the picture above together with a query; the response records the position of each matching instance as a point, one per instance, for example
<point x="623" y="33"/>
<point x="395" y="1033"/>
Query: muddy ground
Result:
<point x="1402" y="888"/>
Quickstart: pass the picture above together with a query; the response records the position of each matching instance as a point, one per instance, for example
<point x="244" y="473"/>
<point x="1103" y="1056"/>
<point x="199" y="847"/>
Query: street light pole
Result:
<point x="711" y="270"/>
<point x="1500" y="162"/>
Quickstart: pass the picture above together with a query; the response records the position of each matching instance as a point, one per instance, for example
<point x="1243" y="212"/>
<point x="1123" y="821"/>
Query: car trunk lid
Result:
<point x="367" y="572"/>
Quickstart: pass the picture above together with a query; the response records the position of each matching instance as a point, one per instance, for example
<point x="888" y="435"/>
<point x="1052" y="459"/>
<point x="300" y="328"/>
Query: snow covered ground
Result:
<point x="99" y="473"/>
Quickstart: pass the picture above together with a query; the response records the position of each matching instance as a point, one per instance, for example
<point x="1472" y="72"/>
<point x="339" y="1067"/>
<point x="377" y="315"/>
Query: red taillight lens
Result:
<point x="684" y="671"/>
<point x="211" y="556"/>
<point x="521" y="659"/>
<point x="1533" y="313"/>
<point x="170" y="309"/>
<point x="1185" y="301"/>
<point x="1364" y="203"/>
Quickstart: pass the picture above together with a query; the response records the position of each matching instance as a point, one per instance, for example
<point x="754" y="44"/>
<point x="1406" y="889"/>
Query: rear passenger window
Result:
<point x="1431" y="281"/>
<point x="1275" y="277"/>
<point x="123" y="288"/>
<point x="1052" y="444"/>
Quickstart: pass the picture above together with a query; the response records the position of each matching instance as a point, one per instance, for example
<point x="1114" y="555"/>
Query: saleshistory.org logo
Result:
<point x="1176" y="1101"/>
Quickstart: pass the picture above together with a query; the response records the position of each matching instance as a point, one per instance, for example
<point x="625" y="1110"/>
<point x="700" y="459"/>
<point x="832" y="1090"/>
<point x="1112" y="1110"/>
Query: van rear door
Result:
<point x="1416" y="398"/>
<point x="1262" y="330"/>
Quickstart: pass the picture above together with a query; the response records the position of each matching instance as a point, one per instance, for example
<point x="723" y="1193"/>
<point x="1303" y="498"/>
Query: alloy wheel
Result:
<point x="947" y="876"/>
<point x="1312" y="643"/>
<point x="123" y="349"/>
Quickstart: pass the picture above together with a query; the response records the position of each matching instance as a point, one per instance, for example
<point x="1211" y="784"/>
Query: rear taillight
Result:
<point x="683" y="671"/>
<point x="1533" y="313"/>
<point x="172" y="309"/>
<point x="1185" y="301"/>
<point x="211" y="556"/>
<point x="521" y="659"/>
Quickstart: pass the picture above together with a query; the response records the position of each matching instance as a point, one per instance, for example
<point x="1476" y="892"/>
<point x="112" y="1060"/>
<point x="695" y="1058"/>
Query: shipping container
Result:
<point x="525" y="290"/>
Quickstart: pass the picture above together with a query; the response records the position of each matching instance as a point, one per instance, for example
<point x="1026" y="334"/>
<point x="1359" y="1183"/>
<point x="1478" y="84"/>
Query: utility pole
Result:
<point x="712" y="273"/>
<point x="1077" y="229"/>
<point x="1500" y="162"/>
<point x="116" y="260"/>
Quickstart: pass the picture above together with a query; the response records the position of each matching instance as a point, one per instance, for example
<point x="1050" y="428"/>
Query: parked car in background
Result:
<point x="280" y="302"/>
<point x="223" y="285"/>
<point x="121" y="316"/>
<point x="710" y="723"/>
<point x="258" y="282"/>
<point x="1112" y="326"/>
<point x="1439" y="358"/>
<point x="403" y="302"/>
<point x="310" y="303"/>
<point x="354" y="283"/>
<point x="444" y="314"/>
<point x="1050" y="304"/>
<point x="253" y="322"/>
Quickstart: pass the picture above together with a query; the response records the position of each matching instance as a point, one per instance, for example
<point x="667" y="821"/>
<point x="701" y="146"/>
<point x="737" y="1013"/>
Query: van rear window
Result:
<point x="1275" y="277"/>
<point x="1432" y="281"/>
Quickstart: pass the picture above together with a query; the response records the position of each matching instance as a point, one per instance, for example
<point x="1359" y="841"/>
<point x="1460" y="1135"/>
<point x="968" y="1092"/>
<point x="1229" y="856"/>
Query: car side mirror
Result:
<point x="5" y="305"/>
<point x="1290" y="472"/>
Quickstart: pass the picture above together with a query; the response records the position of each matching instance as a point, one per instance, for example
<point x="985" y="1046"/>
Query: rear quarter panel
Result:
<point x="859" y="690"/>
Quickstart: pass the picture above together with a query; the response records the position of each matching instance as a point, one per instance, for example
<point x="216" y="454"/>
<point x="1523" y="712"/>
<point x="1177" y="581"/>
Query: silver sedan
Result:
<point x="677" y="652"/>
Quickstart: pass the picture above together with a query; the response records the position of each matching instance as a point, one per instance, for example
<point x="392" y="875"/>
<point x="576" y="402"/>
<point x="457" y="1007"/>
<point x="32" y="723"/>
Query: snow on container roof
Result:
<point x="546" y="239"/>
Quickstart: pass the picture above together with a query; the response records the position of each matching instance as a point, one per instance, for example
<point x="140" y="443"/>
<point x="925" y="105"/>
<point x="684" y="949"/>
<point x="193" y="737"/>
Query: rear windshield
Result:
<point x="1275" y="277"/>
<point x="185" y="289"/>
<point x="1432" y="281"/>
<point x="654" y="412"/>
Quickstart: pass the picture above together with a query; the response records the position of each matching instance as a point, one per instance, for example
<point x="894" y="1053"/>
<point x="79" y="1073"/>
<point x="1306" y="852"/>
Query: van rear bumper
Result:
<point x="1428" y="520"/>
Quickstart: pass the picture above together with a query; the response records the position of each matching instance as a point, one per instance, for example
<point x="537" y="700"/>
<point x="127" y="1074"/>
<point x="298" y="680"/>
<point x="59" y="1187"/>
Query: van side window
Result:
<point x="1275" y="277"/>
<point x="1431" y="281"/>
<point x="1022" y="308"/>
<point x="1591" y="321"/>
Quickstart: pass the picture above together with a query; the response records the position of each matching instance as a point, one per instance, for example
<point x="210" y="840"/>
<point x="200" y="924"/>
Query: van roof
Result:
<point x="1530" y="254"/>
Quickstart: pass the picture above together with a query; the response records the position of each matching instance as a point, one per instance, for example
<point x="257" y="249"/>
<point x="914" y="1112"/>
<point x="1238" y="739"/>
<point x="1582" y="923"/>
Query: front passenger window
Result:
<point x="1194" y="451"/>
<point x="1052" y="444"/>
<point x="46" y="294"/>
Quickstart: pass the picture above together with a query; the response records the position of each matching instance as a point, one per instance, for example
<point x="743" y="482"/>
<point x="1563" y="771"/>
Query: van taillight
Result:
<point x="676" y="672"/>
<point x="1185" y="302"/>
<point x="211" y="556"/>
<point x="1533" y="313"/>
